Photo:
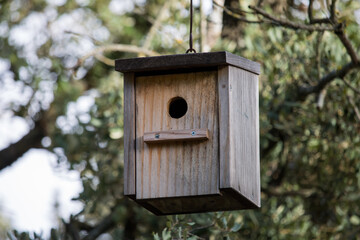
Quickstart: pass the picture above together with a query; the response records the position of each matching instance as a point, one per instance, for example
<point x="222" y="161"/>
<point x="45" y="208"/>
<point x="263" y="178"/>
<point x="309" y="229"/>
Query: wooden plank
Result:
<point x="229" y="199"/>
<point x="196" y="60"/>
<point x="176" y="135"/>
<point x="129" y="135"/>
<point x="177" y="169"/>
<point x="243" y="63"/>
<point x="224" y="127"/>
<point x="244" y="134"/>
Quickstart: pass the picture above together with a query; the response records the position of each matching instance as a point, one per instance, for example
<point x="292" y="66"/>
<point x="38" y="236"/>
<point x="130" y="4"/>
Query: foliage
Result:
<point x="5" y="225"/>
<point x="310" y="141"/>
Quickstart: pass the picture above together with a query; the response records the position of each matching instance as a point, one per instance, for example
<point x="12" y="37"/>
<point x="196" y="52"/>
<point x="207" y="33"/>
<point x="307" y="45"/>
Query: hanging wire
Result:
<point x="191" y="49"/>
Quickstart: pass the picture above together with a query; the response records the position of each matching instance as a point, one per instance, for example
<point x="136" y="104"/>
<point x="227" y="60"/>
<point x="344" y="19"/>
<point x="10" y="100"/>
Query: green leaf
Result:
<point x="355" y="220"/>
<point x="236" y="227"/>
<point x="166" y="235"/>
<point x="156" y="236"/>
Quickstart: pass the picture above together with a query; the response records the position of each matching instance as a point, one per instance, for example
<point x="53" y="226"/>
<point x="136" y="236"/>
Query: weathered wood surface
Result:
<point x="184" y="168"/>
<point x="227" y="200"/>
<point x="224" y="126"/>
<point x="239" y="132"/>
<point x="176" y="135"/>
<point x="196" y="60"/>
<point x="129" y="134"/>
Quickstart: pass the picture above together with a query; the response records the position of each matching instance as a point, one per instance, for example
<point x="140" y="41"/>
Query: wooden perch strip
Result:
<point x="176" y="135"/>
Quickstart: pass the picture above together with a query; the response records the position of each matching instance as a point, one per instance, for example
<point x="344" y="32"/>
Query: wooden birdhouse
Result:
<point x="191" y="132"/>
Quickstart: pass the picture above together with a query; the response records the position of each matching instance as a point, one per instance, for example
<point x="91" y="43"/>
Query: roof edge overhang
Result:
<point x="184" y="61"/>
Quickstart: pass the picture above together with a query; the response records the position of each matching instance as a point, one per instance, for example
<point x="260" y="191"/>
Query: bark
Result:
<point x="13" y="152"/>
<point x="231" y="26"/>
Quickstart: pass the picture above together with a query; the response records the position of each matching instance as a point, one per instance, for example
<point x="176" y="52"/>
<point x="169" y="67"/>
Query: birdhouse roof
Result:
<point x="185" y="61"/>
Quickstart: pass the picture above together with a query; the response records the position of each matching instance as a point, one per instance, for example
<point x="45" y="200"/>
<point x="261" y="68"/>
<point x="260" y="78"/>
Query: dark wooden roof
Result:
<point x="181" y="61"/>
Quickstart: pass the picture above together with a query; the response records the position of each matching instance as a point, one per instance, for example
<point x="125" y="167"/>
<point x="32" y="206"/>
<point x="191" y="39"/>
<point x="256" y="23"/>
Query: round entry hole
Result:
<point x="177" y="107"/>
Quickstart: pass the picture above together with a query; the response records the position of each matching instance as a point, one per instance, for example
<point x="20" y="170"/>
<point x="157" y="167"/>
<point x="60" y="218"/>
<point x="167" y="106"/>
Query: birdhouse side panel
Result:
<point x="244" y="121"/>
<point x="239" y="132"/>
<point x="176" y="168"/>
<point x="129" y="135"/>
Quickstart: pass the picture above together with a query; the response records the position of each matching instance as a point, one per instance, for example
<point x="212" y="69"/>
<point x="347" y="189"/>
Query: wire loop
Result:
<point x="191" y="49"/>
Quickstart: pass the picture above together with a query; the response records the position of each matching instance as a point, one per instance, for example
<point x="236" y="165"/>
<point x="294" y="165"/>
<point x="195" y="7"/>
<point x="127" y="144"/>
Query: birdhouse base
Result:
<point x="228" y="199"/>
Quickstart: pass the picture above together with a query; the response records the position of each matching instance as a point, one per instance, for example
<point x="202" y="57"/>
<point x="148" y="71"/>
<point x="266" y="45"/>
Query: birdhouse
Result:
<point x="191" y="132"/>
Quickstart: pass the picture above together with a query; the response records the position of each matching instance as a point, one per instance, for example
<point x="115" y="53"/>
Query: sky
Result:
<point x="31" y="186"/>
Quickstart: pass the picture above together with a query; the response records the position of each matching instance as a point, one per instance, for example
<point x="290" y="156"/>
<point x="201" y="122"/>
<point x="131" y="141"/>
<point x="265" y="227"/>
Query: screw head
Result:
<point x="193" y="133"/>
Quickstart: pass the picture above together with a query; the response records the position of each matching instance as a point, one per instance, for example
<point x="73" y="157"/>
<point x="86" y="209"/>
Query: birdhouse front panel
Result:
<point x="176" y="135"/>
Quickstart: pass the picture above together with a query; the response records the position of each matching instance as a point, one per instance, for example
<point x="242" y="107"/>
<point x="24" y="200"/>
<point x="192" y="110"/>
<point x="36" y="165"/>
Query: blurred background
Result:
<point x="61" y="115"/>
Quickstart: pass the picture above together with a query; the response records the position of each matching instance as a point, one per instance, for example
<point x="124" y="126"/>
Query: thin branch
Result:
<point x="323" y="92"/>
<point x="82" y="35"/>
<point x="107" y="223"/>
<point x="312" y="20"/>
<point x="116" y="47"/>
<point x="235" y="15"/>
<point x="356" y="109"/>
<point x="234" y="10"/>
<point x="339" y="73"/>
<point x="202" y="227"/>
<point x="71" y="229"/>
<point x="105" y="60"/>
<point x="332" y="10"/>
<point x="279" y="193"/>
<point x="321" y="99"/>
<point x="156" y="25"/>
<point x="289" y="24"/>
<point x="310" y="10"/>
<point x="351" y="87"/>
<point x="347" y="44"/>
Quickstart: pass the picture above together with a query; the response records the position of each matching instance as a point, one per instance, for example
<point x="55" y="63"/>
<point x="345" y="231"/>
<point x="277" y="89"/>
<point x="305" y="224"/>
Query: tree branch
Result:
<point x="13" y="152"/>
<point x="356" y="109"/>
<point x="107" y="223"/>
<point x="156" y="25"/>
<point x="236" y="15"/>
<point x="115" y="47"/>
<point x="339" y="73"/>
<point x="347" y="44"/>
<point x="351" y="87"/>
<point x="277" y="192"/>
<point x="71" y="229"/>
<point x="289" y="24"/>
<point x="332" y="10"/>
<point x="311" y="16"/>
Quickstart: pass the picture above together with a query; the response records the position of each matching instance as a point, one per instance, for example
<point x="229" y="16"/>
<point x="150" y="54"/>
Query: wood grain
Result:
<point x="176" y="135"/>
<point x="196" y="60"/>
<point x="178" y="168"/>
<point x="224" y="125"/>
<point x="227" y="200"/>
<point x="129" y="135"/>
<point x="239" y="132"/>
